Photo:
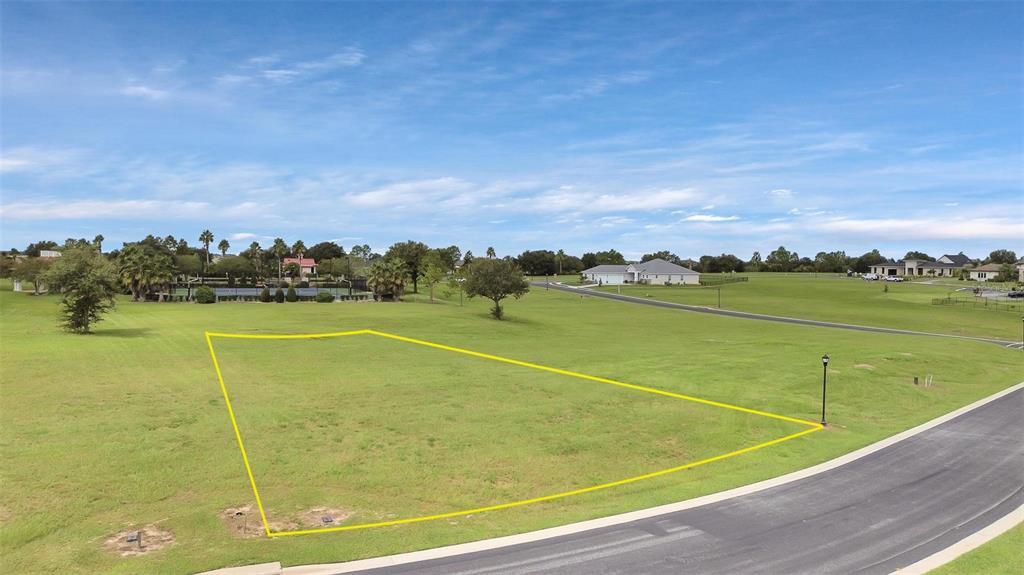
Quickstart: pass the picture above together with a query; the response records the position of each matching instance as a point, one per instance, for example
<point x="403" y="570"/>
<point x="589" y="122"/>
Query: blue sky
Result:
<point x="697" y="128"/>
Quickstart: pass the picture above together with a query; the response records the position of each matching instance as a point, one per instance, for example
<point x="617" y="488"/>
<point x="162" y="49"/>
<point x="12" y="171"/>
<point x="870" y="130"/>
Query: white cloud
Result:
<point x="710" y="218"/>
<point x="569" y="198"/>
<point x="286" y="73"/>
<point x="29" y="159"/>
<point x="140" y="91"/>
<point x="599" y="85"/>
<point x="413" y="193"/>
<point x="614" y="221"/>
<point x="231" y="79"/>
<point x="169" y="68"/>
<point x="243" y="236"/>
<point x="926" y="228"/>
<point x="102" y="209"/>
<point x="14" y="164"/>
<point x="781" y="193"/>
<point x="347" y="58"/>
<point x="282" y="76"/>
<point x="263" y="60"/>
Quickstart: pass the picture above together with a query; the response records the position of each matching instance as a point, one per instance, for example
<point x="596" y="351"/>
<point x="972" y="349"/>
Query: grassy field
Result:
<point x="127" y="427"/>
<point x="847" y="300"/>
<point x="1004" y="555"/>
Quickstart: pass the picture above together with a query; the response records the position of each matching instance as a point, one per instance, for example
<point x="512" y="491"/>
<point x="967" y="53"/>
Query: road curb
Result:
<point x="969" y="543"/>
<point x="261" y="569"/>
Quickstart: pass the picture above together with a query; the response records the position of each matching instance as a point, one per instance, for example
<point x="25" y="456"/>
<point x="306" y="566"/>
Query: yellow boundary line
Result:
<point x="812" y="427"/>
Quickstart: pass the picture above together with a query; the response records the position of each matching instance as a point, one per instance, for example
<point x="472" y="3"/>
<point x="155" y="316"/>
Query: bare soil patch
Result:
<point x="864" y="366"/>
<point x="139" y="540"/>
<point x="323" y="517"/>
<point x="243" y="521"/>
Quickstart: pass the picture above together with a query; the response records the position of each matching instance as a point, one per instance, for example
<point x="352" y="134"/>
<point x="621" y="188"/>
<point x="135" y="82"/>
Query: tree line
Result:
<point x="88" y="279"/>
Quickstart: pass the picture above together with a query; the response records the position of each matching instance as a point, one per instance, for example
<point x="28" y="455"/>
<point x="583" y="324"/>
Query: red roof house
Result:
<point x="307" y="266"/>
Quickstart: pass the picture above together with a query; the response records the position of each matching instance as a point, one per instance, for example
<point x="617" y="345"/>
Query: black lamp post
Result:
<point x="824" y="379"/>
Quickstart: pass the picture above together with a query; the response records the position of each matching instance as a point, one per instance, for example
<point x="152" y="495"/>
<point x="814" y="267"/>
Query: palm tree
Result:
<point x="207" y="238"/>
<point x="98" y="242"/>
<point x="559" y="256"/>
<point x="223" y="246"/>
<point x="255" y="254"/>
<point x="387" y="277"/>
<point x="280" y="249"/>
<point x="491" y="254"/>
<point x="298" y="248"/>
<point x="141" y="268"/>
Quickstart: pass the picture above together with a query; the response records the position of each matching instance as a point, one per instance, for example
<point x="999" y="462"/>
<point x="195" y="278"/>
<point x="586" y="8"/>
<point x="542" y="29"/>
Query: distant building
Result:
<point x="1020" y="270"/>
<point x="987" y="272"/>
<point x="959" y="259"/>
<point x="49" y="254"/>
<point x="307" y="266"/>
<point x="656" y="271"/>
<point x="946" y="266"/>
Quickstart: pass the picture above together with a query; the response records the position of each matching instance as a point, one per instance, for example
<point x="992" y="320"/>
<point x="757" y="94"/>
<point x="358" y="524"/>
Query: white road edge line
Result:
<point x="510" y="540"/>
<point x="969" y="543"/>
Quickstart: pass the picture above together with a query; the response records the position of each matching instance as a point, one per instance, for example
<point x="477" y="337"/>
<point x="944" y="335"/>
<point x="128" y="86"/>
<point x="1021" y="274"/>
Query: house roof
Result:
<point x="988" y="268"/>
<point x="660" y="266"/>
<point x="304" y="262"/>
<point x="606" y="269"/>
<point x="924" y="264"/>
<point x="959" y="259"/>
<point x="920" y="263"/>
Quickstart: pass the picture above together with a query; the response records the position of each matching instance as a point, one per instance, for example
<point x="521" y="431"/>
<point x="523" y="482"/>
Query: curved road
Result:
<point x="761" y="316"/>
<point x="875" y="514"/>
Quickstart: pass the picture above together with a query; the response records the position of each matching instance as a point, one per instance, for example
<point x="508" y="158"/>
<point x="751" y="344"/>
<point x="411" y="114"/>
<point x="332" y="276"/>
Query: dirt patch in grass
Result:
<point x="139" y="541"/>
<point x="243" y="521"/>
<point x="323" y="517"/>
<point x="863" y="366"/>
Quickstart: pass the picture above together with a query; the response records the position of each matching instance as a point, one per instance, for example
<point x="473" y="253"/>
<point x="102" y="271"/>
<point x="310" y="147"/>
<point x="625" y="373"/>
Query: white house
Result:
<point x="656" y="271"/>
<point x="987" y="272"/>
<point x="946" y="266"/>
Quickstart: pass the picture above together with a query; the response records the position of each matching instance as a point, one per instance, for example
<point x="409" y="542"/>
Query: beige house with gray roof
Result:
<point x="654" y="272"/>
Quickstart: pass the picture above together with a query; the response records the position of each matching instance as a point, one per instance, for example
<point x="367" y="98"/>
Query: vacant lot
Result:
<point x="127" y="428"/>
<point x="848" y="300"/>
<point x="377" y="431"/>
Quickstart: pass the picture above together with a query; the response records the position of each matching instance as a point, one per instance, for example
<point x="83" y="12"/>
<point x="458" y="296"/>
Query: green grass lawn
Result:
<point x="847" y="300"/>
<point x="127" y="427"/>
<point x="1004" y="555"/>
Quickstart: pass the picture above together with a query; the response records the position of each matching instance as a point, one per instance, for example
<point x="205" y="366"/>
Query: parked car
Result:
<point x="1016" y="294"/>
<point x="893" y="279"/>
<point x="870" y="277"/>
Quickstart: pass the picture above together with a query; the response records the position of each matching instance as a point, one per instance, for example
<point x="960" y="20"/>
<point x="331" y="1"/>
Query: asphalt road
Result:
<point x="876" y="514"/>
<point x="761" y="316"/>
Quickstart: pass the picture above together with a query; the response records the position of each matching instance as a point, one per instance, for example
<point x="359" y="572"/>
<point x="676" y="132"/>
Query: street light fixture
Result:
<point x="824" y="379"/>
